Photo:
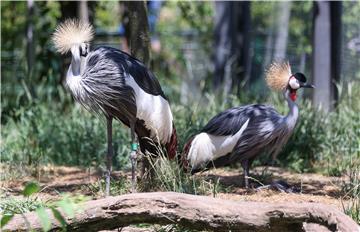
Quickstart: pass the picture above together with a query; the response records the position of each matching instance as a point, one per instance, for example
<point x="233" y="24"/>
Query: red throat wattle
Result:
<point x="293" y="95"/>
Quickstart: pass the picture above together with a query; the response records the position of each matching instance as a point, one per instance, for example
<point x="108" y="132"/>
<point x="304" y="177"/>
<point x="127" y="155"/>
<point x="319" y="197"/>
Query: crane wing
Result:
<point x="129" y="64"/>
<point x="144" y="77"/>
<point x="230" y="121"/>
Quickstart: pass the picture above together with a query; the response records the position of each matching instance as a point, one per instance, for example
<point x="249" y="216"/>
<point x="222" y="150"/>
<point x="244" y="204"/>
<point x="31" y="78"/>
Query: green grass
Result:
<point x="351" y="192"/>
<point x="352" y="209"/>
<point x="169" y="176"/>
<point x="12" y="205"/>
<point x="44" y="134"/>
<point x="118" y="186"/>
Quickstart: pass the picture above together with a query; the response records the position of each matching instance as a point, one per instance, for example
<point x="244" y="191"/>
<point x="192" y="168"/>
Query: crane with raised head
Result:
<point x="113" y="83"/>
<point x="240" y="134"/>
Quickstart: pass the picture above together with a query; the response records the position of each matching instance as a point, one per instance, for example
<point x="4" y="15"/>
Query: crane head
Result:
<point x="279" y="77"/>
<point x="73" y="33"/>
<point x="297" y="81"/>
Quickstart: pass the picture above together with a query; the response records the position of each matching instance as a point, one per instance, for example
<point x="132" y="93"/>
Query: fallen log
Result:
<point x="194" y="212"/>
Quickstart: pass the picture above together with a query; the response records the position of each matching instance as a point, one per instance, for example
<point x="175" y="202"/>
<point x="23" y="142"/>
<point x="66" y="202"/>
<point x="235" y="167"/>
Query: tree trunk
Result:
<point x="282" y="30"/>
<point x="30" y="51"/>
<point x="268" y="48"/>
<point x="224" y="42"/>
<point x="232" y="45"/>
<point x="139" y="39"/>
<point x="83" y="11"/>
<point x="336" y="39"/>
<point x="194" y="212"/>
<point x="326" y="53"/>
<point x="244" y="43"/>
<point x="322" y="56"/>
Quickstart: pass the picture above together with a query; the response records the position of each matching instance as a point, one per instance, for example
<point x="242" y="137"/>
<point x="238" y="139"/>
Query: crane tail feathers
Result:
<point x="71" y="32"/>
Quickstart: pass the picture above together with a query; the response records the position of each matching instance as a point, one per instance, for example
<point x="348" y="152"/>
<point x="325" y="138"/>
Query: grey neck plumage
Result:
<point x="75" y="66"/>
<point x="293" y="114"/>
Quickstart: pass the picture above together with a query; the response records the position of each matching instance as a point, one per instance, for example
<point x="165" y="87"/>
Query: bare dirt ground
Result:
<point x="309" y="187"/>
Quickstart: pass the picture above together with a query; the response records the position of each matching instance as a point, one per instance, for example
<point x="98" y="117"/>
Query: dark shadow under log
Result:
<point x="195" y="212"/>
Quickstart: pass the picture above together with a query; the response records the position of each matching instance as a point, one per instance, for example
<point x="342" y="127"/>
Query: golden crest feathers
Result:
<point x="71" y="32"/>
<point x="277" y="75"/>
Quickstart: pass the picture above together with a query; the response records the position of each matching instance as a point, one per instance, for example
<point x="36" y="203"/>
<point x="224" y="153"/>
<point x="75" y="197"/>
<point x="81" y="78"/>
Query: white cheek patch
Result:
<point x="294" y="84"/>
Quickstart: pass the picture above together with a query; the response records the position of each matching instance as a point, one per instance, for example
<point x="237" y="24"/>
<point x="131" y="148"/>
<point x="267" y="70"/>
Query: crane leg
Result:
<point x="108" y="156"/>
<point x="133" y="156"/>
<point x="245" y="165"/>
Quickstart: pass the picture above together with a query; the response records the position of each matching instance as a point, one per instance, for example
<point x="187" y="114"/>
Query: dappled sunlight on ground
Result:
<point x="312" y="187"/>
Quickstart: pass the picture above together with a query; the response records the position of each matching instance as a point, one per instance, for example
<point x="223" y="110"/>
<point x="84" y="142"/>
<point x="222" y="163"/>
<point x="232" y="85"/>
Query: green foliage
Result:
<point x="5" y="219"/>
<point x="44" y="218"/>
<point x="11" y="206"/>
<point x="38" y="136"/>
<point x="353" y="209"/>
<point x="58" y="217"/>
<point x="30" y="189"/>
<point x="104" y="9"/>
<point x="21" y="83"/>
<point x="351" y="189"/>
<point x="350" y="28"/>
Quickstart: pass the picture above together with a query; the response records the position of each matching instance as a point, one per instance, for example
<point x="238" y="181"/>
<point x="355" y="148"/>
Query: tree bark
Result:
<point x="194" y="212"/>
<point x="83" y="11"/>
<point x="139" y="39"/>
<point x="336" y="39"/>
<point x="232" y="59"/>
<point x="30" y="51"/>
<point x="322" y="56"/>
<point x="282" y="31"/>
<point x="244" y="42"/>
<point x="326" y="53"/>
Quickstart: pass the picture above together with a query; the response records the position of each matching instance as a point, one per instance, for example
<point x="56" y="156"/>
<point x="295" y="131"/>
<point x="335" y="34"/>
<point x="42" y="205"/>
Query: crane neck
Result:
<point x="292" y="116"/>
<point x="76" y="63"/>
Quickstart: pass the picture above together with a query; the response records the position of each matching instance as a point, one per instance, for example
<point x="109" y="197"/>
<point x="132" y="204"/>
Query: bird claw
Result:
<point x="281" y="186"/>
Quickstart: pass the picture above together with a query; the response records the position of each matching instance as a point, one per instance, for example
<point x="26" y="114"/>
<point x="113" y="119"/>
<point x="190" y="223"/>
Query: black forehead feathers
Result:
<point x="300" y="77"/>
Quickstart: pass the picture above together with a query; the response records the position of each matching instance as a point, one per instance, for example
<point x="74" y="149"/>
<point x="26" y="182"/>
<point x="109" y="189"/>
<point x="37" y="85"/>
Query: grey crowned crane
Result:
<point x="110" y="82"/>
<point x="240" y="134"/>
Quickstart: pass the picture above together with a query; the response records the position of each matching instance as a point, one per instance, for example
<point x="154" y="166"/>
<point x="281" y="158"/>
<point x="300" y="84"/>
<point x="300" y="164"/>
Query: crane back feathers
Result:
<point x="277" y="75"/>
<point x="71" y="32"/>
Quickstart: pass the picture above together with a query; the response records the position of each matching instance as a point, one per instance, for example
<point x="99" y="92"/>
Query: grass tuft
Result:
<point x="169" y="176"/>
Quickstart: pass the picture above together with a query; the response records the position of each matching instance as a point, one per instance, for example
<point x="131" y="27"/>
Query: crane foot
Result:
<point x="281" y="186"/>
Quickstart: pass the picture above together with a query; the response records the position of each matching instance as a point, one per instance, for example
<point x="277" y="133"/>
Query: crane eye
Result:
<point x="83" y="50"/>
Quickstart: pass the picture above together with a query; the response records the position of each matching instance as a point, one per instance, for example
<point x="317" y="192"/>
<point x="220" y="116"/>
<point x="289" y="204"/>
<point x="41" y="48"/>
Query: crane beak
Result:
<point x="306" y="85"/>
